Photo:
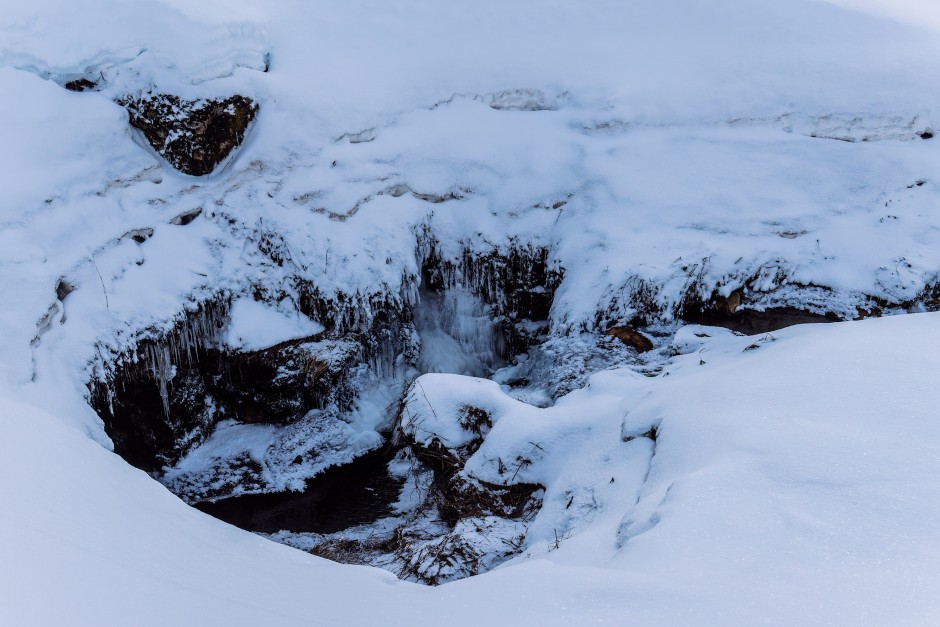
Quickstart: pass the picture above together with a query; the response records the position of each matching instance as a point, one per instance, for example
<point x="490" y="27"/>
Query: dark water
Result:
<point x="751" y="322"/>
<point x="358" y="493"/>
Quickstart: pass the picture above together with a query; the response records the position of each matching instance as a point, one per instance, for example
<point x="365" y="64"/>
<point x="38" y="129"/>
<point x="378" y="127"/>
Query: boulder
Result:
<point x="194" y="136"/>
<point x="631" y="337"/>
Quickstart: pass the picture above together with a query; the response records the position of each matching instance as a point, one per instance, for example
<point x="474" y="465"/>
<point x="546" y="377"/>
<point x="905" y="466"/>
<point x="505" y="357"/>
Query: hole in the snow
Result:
<point x="230" y="426"/>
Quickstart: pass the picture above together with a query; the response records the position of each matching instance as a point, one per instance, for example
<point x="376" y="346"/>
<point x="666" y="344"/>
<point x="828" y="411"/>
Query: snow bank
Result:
<point x="802" y="469"/>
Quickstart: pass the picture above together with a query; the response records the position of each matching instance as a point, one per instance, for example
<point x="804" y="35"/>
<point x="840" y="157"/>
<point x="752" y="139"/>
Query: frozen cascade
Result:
<point x="192" y="334"/>
<point x="458" y="334"/>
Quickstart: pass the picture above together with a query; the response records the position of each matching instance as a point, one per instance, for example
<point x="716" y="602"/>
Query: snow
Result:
<point x="255" y="326"/>
<point x="658" y="150"/>
<point x="222" y="465"/>
<point x="761" y="491"/>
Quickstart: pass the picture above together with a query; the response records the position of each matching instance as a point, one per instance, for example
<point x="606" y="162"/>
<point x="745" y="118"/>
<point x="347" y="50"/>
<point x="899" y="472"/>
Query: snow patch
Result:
<point x="256" y="325"/>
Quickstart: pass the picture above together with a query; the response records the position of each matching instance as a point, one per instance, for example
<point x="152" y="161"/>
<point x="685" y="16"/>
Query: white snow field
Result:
<point x="658" y="150"/>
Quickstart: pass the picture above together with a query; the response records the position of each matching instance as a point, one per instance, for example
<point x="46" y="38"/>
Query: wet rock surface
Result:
<point x="194" y="136"/>
<point x="752" y="322"/>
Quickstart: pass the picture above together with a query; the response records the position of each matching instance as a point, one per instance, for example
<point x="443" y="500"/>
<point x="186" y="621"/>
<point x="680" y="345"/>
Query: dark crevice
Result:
<point x="357" y="493"/>
<point x="753" y="322"/>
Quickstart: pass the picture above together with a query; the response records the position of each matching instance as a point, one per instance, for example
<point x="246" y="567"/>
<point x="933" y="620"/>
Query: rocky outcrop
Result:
<point x="442" y="437"/>
<point x="282" y="383"/>
<point x="167" y="396"/>
<point x="716" y="308"/>
<point x="754" y="322"/>
<point x="194" y="136"/>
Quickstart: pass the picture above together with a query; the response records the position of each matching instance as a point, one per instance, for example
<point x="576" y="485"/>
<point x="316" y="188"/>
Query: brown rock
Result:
<point x="631" y="337"/>
<point x="731" y="303"/>
<point x="193" y="135"/>
<point x="874" y="312"/>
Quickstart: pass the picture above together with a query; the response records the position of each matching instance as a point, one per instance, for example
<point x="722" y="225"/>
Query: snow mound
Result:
<point x="255" y="326"/>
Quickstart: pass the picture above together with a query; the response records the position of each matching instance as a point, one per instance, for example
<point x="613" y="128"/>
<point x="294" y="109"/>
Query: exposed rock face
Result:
<point x="732" y="313"/>
<point x="282" y="383"/>
<point x="179" y="394"/>
<point x="193" y="135"/>
<point x="168" y="399"/>
<point x="716" y="308"/>
<point x="753" y="322"/>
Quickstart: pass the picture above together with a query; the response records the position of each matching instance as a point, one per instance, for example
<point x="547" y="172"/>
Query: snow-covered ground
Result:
<point x="659" y="151"/>
<point x="795" y="483"/>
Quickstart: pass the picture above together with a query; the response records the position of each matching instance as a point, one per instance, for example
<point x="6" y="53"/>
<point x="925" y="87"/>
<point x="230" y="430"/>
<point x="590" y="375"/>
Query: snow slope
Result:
<point x="766" y="502"/>
<point x="655" y="148"/>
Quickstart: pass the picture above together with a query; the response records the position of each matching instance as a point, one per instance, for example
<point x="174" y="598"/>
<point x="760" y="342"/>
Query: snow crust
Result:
<point x="255" y="326"/>
<point x="655" y="148"/>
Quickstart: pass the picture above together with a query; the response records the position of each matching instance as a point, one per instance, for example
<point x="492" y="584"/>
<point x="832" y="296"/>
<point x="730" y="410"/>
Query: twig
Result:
<point x="107" y="304"/>
<point x="427" y="400"/>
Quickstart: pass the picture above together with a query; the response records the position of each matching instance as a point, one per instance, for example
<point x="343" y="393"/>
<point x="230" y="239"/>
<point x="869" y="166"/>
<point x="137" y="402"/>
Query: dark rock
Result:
<point x="80" y="84"/>
<point x="652" y="434"/>
<point x="142" y="433"/>
<point x="186" y="217"/>
<point x="194" y="136"/>
<point x="751" y="322"/>
<point x="139" y="236"/>
<point x="274" y="386"/>
<point x="282" y="383"/>
<point x="167" y="398"/>
<point x="63" y="288"/>
<point x="874" y="312"/>
<point x="720" y="311"/>
<point x="715" y="311"/>
<point x="459" y="496"/>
